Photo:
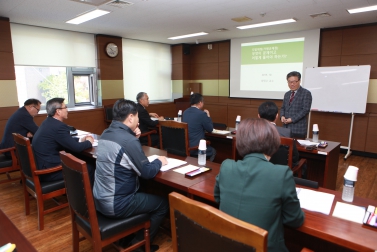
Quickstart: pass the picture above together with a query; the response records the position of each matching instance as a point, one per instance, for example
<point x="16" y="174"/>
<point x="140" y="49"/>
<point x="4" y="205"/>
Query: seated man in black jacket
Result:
<point x="145" y="121"/>
<point x="53" y="136"/>
<point x="269" y="111"/>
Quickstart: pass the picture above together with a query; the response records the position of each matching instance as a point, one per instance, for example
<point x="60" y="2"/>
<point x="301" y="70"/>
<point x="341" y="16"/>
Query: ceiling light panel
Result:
<point x="363" y="9"/>
<point x="87" y="16"/>
<point x="189" y="35"/>
<point x="285" y="21"/>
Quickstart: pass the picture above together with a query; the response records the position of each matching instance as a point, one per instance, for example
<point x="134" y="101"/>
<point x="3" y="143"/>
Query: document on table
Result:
<point x="172" y="162"/>
<point x="315" y="201"/>
<point x="221" y="132"/>
<point x="349" y="212"/>
<point x="186" y="169"/>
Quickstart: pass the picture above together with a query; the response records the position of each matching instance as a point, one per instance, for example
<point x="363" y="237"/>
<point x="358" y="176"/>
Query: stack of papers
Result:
<point x="315" y="201"/>
<point x="307" y="143"/>
<point x="349" y="212"/>
<point x="221" y="132"/>
<point x="172" y="162"/>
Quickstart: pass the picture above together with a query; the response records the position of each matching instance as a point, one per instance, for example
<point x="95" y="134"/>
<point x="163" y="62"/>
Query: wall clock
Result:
<point x="112" y="50"/>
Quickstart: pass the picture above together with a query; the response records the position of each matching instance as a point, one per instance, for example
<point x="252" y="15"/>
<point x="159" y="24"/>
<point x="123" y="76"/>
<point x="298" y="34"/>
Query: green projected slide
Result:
<point x="265" y="65"/>
<point x="288" y="52"/>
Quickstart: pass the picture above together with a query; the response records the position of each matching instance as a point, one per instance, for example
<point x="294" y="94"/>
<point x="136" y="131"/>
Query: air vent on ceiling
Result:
<point x="323" y="14"/>
<point x="222" y="30"/>
<point x="120" y="4"/>
<point x="241" y="19"/>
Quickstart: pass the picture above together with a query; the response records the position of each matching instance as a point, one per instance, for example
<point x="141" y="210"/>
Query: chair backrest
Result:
<point x="108" y="113"/>
<point x="284" y="155"/>
<point x="25" y="155"/>
<point x="79" y="190"/>
<point x="197" y="226"/>
<point x="174" y="137"/>
<point x="306" y="182"/>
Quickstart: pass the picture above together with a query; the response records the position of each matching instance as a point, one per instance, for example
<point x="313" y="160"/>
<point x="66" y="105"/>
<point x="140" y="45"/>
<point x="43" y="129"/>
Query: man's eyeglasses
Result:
<point x="62" y="108"/>
<point x="293" y="82"/>
<point x="36" y="108"/>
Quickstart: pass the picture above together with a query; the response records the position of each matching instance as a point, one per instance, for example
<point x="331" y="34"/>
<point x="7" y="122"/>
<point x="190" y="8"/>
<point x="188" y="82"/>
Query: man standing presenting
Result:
<point x="22" y="122"/>
<point x="53" y="136"/>
<point x="199" y="121"/>
<point x="296" y="106"/>
<point x="120" y="163"/>
<point x="145" y="119"/>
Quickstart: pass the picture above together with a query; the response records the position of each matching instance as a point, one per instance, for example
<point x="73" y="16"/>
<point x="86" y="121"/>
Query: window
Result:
<point x="76" y="85"/>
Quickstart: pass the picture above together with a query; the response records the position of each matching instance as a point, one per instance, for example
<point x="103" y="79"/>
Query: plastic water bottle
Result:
<point x="238" y="121"/>
<point x="315" y="133"/>
<point x="180" y="116"/>
<point x="202" y="157"/>
<point x="348" y="190"/>
<point x="315" y="136"/>
<point x="350" y="178"/>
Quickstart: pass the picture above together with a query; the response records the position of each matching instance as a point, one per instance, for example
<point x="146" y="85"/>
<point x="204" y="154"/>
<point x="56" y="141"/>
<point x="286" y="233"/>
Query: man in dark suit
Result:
<point x="21" y="122"/>
<point x="53" y="136"/>
<point x="296" y="106"/>
<point x="145" y="121"/>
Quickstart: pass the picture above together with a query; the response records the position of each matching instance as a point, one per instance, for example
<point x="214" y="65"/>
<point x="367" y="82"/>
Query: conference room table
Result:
<point x="9" y="233"/>
<point x="322" y="163"/>
<point x="319" y="232"/>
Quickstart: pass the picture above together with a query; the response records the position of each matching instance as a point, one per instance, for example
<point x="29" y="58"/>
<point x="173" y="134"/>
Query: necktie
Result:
<point x="291" y="98"/>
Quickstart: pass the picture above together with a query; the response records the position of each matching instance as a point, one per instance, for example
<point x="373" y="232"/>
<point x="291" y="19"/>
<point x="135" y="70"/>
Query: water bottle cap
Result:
<point x="315" y="127"/>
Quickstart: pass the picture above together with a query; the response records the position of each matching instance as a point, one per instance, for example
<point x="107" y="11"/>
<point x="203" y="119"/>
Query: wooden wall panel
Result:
<point x="166" y="109"/>
<point x="359" y="133"/>
<point x="329" y="61"/>
<point x="177" y="54"/>
<point x="110" y="69"/>
<point x="217" y="112"/>
<point x="102" y="41"/>
<point x="360" y="40"/>
<point x="224" y="51"/>
<point x="353" y="60"/>
<point x="331" y="43"/>
<point x="5" y="36"/>
<point x="201" y="54"/>
<point x="371" y="141"/>
<point x="7" y="71"/>
<point x="205" y="71"/>
<point x="246" y="111"/>
<point x="224" y="71"/>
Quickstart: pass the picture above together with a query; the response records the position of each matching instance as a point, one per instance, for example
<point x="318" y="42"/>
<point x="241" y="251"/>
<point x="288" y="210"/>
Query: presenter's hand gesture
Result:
<point x="283" y="119"/>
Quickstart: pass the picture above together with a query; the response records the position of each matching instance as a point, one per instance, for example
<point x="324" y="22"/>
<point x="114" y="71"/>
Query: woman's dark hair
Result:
<point x="256" y="135"/>
<point x="122" y="108"/>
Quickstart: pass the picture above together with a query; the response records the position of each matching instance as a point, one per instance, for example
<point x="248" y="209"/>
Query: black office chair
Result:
<point x="97" y="228"/>
<point x="41" y="191"/>
<point x="8" y="165"/>
<point x="219" y="126"/>
<point x="305" y="182"/>
<point x="284" y="156"/>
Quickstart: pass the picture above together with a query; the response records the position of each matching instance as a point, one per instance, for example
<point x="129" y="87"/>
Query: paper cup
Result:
<point x="180" y="112"/>
<point x="351" y="173"/>
<point x="238" y="118"/>
<point x="176" y="119"/>
<point x="315" y="127"/>
<point x="202" y="145"/>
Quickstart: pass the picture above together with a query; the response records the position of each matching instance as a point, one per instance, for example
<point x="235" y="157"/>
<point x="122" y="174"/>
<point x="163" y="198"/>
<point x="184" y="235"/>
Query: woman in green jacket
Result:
<point x="255" y="190"/>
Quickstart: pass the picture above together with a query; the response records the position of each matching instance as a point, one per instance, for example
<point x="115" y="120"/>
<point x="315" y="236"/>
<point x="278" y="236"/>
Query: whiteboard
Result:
<point x="342" y="89"/>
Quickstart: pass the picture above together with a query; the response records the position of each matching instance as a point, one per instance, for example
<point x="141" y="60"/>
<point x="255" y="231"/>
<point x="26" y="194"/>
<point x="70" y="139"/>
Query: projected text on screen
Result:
<point x="264" y="65"/>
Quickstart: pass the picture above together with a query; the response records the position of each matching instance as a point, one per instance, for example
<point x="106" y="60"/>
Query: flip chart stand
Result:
<point x="348" y="148"/>
<point x="349" y="152"/>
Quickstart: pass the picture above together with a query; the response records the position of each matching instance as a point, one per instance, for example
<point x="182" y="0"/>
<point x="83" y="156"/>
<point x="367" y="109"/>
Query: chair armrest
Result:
<point x="49" y="170"/>
<point x="148" y="133"/>
<point x="11" y="149"/>
<point x="298" y="167"/>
